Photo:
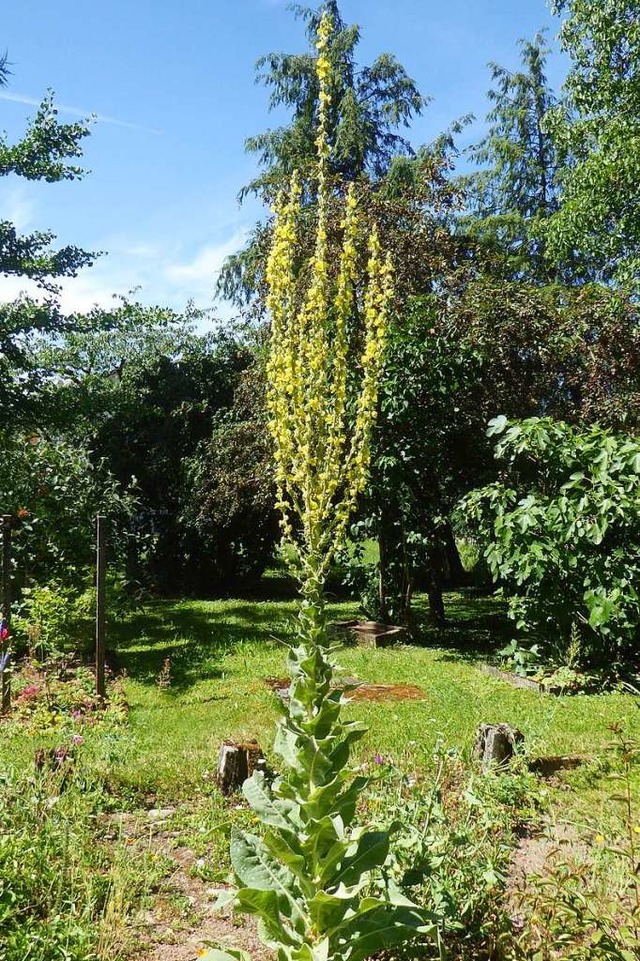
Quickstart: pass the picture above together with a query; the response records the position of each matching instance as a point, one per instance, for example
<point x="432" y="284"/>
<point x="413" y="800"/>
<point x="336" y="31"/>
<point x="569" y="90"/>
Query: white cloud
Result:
<point x="162" y="276"/>
<point x="79" y="112"/>
<point x="17" y="206"/>
<point x="207" y="263"/>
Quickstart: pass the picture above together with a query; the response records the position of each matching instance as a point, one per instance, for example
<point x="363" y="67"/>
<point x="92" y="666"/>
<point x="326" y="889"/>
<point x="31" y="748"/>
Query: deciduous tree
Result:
<point x="46" y="152"/>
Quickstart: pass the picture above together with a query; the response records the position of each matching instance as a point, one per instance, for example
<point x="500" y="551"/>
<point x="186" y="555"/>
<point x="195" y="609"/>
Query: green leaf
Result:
<point x="215" y="954"/>
<point x="270" y="811"/>
<point x="266" y="905"/>
<point x="497" y="425"/>
<point x="385" y="925"/>
<point x="224" y="896"/>
<point x="255" y="867"/>
<point x="371" y="852"/>
<point x="327" y="911"/>
<point x="286" y="848"/>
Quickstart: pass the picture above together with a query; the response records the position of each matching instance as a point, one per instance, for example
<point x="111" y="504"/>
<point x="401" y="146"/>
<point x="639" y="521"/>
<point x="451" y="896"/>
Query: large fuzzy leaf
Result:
<point x="286" y="746"/>
<point x="272" y="811"/>
<point x="286" y="848"/>
<point x="266" y="905"/>
<point x="385" y="924"/>
<point x="258" y="870"/>
<point x="371" y="852"/>
<point x="329" y="798"/>
<point x="326" y="845"/>
<point x="215" y="954"/>
<point x="327" y="911"/>
<point x="254" y="866"/>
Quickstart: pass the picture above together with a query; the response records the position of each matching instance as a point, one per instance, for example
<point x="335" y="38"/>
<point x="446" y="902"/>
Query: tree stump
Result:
<point x="496" y="745"/>
<point x="237" y="762"/>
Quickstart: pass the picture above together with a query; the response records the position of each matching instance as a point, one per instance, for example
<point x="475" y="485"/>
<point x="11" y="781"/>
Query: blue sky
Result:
<point x="173" y="86"/>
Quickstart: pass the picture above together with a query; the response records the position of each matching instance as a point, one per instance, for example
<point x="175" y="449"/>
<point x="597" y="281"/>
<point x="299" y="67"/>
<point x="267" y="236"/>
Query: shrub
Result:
<point x="561" y="534"/>
<point x="54" y="620"/>
<point x="54" y="491"/>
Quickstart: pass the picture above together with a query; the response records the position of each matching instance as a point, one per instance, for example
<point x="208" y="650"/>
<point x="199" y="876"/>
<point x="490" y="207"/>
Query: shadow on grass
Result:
<point x="190" y="638"/>
<point x="476" y="627"/>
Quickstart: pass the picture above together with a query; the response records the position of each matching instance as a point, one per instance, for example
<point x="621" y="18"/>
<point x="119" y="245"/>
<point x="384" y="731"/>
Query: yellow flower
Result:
<point x="321" y="442"/>
<point x="599" y="839"/>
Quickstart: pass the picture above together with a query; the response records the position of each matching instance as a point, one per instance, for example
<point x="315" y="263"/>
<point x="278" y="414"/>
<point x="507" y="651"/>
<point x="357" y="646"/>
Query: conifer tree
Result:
<point x="517" y="185"/>
<point x="369" y="107"/>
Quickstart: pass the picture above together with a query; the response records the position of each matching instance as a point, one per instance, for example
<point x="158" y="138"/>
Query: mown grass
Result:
<point x="194" y="675"/>
<point x="220" y="653"/>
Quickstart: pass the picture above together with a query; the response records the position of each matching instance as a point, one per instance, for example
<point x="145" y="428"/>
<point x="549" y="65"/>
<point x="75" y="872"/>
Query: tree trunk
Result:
<point x="456" y="576"/>
<point x="395" y="574"/>
<point x="237" y="762"/>
<point x="436" y="603"/>
<point x="383" y="550"/>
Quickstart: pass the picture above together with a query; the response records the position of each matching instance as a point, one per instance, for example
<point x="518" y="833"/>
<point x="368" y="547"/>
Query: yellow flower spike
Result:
<point x="321" y="404"/>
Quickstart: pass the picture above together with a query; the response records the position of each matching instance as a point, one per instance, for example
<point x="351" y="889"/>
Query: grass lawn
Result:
<point x="194" y="675"/>
<point x="220" y="653"/>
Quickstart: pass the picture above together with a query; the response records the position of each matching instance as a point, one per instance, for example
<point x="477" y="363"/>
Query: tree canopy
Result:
<point x="597" y="126"/>
<point x="47" y="151"/>
<point x="517" y="185"/>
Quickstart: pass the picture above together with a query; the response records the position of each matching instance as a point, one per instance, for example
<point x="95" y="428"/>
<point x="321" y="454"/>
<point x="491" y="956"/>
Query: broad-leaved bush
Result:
<point x="561" y="530"/>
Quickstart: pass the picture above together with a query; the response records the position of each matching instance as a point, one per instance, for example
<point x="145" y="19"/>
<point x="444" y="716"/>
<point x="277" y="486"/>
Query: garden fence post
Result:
<point x="100" y="603"/>
<point x="6" y="606"/>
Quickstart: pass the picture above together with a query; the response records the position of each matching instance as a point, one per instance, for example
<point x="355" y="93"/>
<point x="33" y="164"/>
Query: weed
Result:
<point x="589" y="908"/>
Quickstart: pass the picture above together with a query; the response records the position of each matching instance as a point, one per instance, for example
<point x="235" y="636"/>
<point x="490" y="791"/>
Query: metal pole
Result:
<point x="100" y="603"/>
<point x="6" y="606"/>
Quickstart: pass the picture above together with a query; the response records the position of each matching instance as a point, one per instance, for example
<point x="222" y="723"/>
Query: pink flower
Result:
<point x="378" y="759"/>
<point x="77" y="739"/>
<point x="4" y="631"/>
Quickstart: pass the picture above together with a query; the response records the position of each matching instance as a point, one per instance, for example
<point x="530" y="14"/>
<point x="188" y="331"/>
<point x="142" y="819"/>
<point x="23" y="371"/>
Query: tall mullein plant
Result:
<point x="316" y="881"/>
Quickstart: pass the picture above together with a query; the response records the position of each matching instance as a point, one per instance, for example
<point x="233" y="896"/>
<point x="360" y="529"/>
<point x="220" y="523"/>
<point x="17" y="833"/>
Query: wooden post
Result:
<point x="6" y="606"/>
<point x="100" y="603"/>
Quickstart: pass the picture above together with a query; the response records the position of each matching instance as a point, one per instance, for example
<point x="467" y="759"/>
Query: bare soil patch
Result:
<point x="183" y="921"/>
<point x="361" y="692"/>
